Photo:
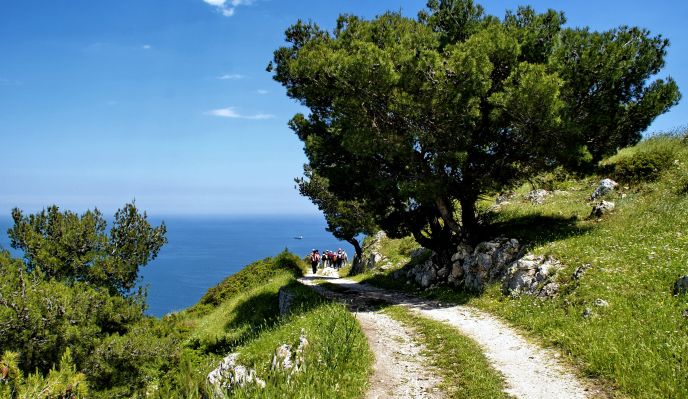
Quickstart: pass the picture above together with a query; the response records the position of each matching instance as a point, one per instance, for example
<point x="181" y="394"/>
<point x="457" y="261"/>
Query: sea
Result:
<point x="202" y="251"/>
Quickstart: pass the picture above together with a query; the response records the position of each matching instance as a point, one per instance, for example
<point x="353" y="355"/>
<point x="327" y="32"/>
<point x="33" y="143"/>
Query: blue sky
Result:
<point x="168" y="102"/>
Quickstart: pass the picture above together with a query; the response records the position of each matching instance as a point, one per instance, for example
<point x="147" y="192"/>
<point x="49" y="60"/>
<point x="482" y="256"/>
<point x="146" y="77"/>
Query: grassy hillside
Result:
<point x="241" y="315"/>
<point x="640" y="341"/>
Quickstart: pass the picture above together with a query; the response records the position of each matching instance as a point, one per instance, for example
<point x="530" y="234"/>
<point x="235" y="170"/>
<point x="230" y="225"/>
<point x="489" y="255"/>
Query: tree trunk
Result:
<point x="357" y="263"/>
<point x="469" y="221"/>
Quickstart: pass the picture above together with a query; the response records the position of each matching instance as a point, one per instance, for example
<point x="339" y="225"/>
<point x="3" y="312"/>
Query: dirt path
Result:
<point x="400" y="369"/>
<point x="530" y="372"/>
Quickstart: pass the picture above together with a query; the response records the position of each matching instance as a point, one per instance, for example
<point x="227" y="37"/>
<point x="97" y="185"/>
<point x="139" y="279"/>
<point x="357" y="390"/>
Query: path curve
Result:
<point x="530" y="372"/>
<point x="400" y="369"/>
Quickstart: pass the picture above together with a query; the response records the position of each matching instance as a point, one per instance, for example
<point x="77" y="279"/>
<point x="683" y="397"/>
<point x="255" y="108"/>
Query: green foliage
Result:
<point x="60" y="383"/>
<point x="253" y="274"/>
<point x="647" y="163"/>
<point x="43" y="318"/>
<point x="247" y="321"/>
<point x="337" y="359"/>
<point x="76" y="248"/>
<point x="416" y="120"/>
<point x="465" y="371"/>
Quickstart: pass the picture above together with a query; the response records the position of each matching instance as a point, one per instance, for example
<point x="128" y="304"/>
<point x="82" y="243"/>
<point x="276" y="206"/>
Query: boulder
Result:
<point x="537" y="197"/>
<point x="229" y="374"/>
<point x="602" y="208"/>
<point x="425" y="274"/>
<point x="681" y="286"/>
<point x="531" y="275"/>
<point x="284" y="299"/>
<point x="288" y="359"/>
<point x="488" y="262"/>
<point x="550" y="290"/>
<point x="606" y="186"/>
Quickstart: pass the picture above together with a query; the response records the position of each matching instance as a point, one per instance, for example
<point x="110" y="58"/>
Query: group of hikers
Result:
<point x="328" y="259"/>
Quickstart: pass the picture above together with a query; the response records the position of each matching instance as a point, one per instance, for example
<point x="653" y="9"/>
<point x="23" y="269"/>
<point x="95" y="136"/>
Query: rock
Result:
<point x="329" y="272"/>
<point x="426" y="274"/>
<point x="601" y="303"/>
<point x="587" y="312"/>
<point x="504" y="198"/>
<point x="681" y="286"/>
<point x="602" y="208"/>
<point x="580" y="270"/>
<point x="488" y="262"/>
<point x="282" y="358"/>
<point x="550" y="290"/>
<point x="685" y="313"/>
<point x="229" y="374"/>
<point x="288" y="359"/>
<point x="457" y="271"/>
<point x="284" y="300"/>
<point x="462" y="252"/>
<point x="443" y="273"/>
<point x="606" y="186"/>
<point x="537" y="197"/>
<point x="419" y="253"/>
<point x="531" y="275"/>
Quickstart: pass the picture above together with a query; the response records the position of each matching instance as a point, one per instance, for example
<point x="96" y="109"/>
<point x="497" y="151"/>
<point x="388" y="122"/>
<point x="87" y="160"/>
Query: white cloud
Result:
<point x="227" y="8"/>
<point x="261" y="91"/>
<point x="231" y="76"/>
<point x="231" y="112"/>
<point x="146" y="47"/>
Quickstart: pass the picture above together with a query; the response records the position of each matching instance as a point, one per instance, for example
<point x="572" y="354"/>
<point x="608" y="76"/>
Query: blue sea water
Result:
<point x="202" y="251"/>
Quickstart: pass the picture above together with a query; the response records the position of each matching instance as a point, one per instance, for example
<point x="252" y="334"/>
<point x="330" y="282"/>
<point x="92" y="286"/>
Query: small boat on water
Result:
<point x="298" y="238"/>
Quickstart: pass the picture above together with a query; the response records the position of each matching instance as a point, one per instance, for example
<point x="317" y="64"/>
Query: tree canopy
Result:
<point x="76" y="248"/>
<point x="415" y="119"/>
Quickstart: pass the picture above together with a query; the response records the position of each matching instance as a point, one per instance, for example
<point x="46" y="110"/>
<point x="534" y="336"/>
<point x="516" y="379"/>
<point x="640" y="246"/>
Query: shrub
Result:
<point x="643" y="166"/>
<point x="64" y="382"/>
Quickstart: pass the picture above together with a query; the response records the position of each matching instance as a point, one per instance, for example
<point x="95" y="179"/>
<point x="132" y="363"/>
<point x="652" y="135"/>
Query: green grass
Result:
<point x="639" y="344"/>
<point x="337" y="359"/>
<point x="465" y="372"/>
<point x="246" y="320"/>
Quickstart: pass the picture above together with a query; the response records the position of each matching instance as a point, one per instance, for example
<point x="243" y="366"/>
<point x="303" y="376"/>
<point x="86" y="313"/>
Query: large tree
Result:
<point x="417" y="118"/>
<point x="77" y="248"/>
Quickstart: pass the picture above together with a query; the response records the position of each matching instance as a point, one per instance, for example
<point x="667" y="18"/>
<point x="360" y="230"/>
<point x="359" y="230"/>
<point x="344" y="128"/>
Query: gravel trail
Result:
<point x="400" y="369"/>
<point x="530" y="372"/>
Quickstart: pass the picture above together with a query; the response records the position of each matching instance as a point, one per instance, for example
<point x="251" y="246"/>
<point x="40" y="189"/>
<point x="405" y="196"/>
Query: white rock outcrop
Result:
<point x="606" y="186"/>
<point x="229" y="374"/>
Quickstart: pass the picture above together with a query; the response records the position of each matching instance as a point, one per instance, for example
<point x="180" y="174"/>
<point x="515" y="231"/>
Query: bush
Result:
<point x="42" y="318"/>
<point x="644" y="166"/>
<point x="64" y="382"/>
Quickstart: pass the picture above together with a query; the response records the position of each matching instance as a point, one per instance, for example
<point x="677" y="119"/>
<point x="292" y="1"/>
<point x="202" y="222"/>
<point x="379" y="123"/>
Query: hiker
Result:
<point x="342" y="258"/>
<point x="315" y="260"/>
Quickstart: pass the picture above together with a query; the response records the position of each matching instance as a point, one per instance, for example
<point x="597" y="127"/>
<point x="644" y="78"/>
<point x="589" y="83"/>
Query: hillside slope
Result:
<point x="620" y="321"/>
